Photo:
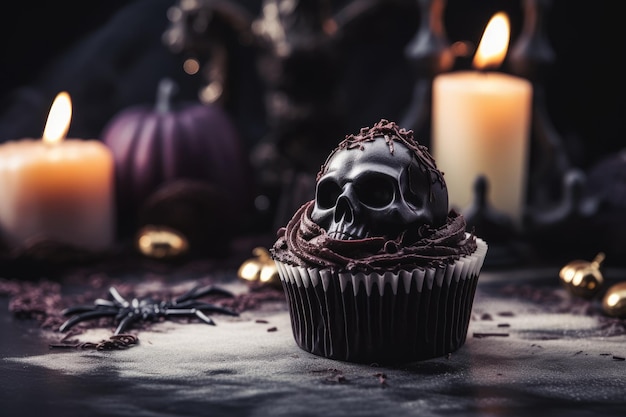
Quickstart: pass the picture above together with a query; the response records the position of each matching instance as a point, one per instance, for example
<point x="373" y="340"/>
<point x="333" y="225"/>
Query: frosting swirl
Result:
<point x="304" y="243"/>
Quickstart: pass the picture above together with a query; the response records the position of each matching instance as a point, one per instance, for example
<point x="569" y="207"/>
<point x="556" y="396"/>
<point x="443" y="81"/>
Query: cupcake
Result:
<point x="376" y="268"/>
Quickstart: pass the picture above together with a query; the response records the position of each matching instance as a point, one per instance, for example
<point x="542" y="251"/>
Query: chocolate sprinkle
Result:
<point x="481" y="335"/>
<point x="382" y="379"/>
<point x="391" y="132"/>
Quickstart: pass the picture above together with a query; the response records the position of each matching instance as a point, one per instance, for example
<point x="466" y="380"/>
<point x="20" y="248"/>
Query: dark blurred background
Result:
<point x="110" y="55"/>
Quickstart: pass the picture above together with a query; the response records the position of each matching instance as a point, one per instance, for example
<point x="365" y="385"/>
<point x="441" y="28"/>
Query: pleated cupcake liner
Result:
<point x="383" y="318"/>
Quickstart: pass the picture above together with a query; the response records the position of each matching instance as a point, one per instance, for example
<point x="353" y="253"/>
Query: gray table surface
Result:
<point x="550" y="360"/>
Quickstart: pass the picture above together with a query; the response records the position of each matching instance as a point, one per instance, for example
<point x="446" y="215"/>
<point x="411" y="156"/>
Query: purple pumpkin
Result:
<point x="154" y="145"/>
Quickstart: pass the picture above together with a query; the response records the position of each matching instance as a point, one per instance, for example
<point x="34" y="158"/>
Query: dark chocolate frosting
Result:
<point x="304" y="243"/>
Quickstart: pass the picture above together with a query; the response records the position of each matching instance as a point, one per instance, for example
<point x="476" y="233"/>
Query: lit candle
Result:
<point x="481" y="126"/>
<point x="57" y="189"/>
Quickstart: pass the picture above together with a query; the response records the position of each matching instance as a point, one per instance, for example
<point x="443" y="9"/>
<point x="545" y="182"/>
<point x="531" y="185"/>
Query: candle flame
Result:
<point x="58" y="122"/>
<point x="494" y="43"/>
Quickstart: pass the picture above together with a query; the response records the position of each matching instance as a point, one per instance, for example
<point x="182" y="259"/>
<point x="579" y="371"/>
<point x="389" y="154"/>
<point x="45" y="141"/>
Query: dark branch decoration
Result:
<point x="299" y="45"/>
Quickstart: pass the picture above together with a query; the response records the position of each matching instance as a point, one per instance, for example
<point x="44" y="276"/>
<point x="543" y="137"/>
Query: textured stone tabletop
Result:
<point x="531" y="350"/>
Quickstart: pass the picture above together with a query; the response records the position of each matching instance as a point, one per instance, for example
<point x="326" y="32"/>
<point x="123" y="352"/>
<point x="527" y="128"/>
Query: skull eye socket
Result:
<point x="375" y="190"/>
<point x="327" y="194"/>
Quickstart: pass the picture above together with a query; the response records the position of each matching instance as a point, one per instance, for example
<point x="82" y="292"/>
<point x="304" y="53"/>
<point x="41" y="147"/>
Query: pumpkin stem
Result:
<point x="166" y="90"/>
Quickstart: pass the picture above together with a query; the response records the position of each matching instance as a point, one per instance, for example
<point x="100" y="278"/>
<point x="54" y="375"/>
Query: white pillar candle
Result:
<point x="57" y="189"/>
<point x="481" y="126"/>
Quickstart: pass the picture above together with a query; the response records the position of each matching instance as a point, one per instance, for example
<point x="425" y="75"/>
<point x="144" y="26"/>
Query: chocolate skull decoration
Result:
<point x="379" y="183"/>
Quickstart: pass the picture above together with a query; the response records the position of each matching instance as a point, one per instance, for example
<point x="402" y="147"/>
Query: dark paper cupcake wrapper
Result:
<point x="384" y="318"/>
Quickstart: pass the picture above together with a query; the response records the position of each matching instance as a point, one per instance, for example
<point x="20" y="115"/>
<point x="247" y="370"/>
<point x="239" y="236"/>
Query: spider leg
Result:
<point x="98" y="305"/>
<point x="186" y="312"/>
<point x="103" y="302"/>
<point x="86" y="316"/>
<point x="204" y="317"/>
<point x="117" y="297"/>
<point x="198" y="292"/>
<point x="80" y="309"/>
<point x="126" y="322"/>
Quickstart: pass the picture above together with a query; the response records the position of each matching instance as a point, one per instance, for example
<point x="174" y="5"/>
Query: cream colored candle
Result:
<point x="57" y="189"/>
<point x="481" y="126"/>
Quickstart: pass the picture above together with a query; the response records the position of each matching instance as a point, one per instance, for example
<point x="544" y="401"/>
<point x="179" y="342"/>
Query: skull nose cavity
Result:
<point x="342" y="226"/>
<point x="344" y="212"/>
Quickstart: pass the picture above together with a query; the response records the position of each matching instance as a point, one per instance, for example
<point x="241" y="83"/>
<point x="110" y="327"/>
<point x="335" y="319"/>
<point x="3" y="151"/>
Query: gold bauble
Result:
<point x="582" y="278"/>
<point x="161" y="242"/>
<point x="261" y="268"/>
<point x="614" y="300"/>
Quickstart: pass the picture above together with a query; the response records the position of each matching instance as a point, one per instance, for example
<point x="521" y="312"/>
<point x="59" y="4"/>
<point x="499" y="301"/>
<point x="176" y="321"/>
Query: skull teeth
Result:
<point x="342" y="236"/>
<point x="338" y="232"/>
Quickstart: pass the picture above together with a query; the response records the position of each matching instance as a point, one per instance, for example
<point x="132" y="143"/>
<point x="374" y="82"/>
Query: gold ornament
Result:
<point x="614" y="301"/>
<point x="261" y="268"/>
<point x="161" y="242"/>
<point x="583" y="278"/>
